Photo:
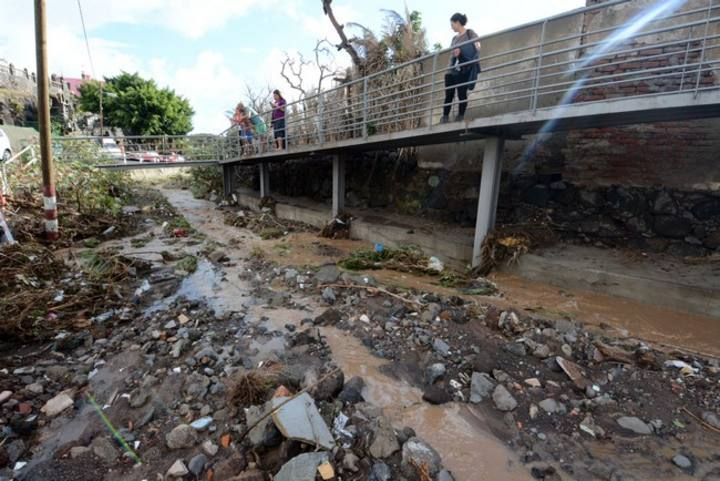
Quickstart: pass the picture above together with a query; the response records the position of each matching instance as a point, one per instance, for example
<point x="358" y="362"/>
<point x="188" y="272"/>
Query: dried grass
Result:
<point x="249" y="388"/>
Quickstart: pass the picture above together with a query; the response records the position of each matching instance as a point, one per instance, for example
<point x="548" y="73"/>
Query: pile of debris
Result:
<point x="90" y="202"/>
<point x="264" y="223"/>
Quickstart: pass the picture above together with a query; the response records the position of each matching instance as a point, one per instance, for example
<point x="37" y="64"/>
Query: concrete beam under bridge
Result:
<point x="338" y="200"/>
<point x="264" y="180"/>
<point x="489" y="193"/>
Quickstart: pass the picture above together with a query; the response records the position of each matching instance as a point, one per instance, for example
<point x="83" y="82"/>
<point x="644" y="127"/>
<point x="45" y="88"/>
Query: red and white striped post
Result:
<point x="52" y="230"/>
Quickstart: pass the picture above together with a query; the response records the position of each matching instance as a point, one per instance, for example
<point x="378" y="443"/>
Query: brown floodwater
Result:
<point x="653" y="323"/>
<point x="456" y="431"/>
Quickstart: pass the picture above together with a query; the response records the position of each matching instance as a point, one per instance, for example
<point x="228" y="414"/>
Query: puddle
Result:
<point x="459" y="434"/>
<point x="212" y="285"/>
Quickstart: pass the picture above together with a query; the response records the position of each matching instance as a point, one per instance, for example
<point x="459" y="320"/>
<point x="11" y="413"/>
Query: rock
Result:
<point x="178" y="348"/>
<point x="206" y="353"/>
<point x="140" y="397"/>
<point x="328" y="318"/>
<point x="405" y="433"/>
<point x="515" y="348"/>
<point x="177" y="470"/>
<point x="196" y="386"/>
<point x="57" y="405"/>
<point x="328" y="295"/>
<point x="182" y="436"/>
<point x="300" y="420"/>
<point x="416" y="452"/>
<point x="350" y="395"/>
<point x="4" y="396"/>
<point x="217" y="257"/>
<point x="328" y="274"/>
<point x="635" y="425"/>
<point x="441" y="347"/>
<point x="104" y="449"/>
<point x="436" y="395"/>
<point x="538" y="195"/>
<point x="588" y="425"/>
<point x="301" y="468"/>
<point x="503" y="400"/>
<point x="265" y="434"/>
<point x="350" y="462"/>
<point x="533" y="382"/>
<point x="712" y="419"/>
<point x="197" y="464"/>
<point x="551" y="406"/>
<point x="249" y="475"/>
<point x="682" y="462"/>
<point x="171" y="324"/>
<point x="35" y="388"/>
<point x="24" y="371"/>
<point x="671" y="226"/>
<point x="291" y="275"/>
<point x="664" y="204"/>
<point x="384" y="440"/>
<point x="77" y="451"/>
<point x="445" y="475"/>
<point x="481" y="387"/>
<point x="380" y="472"/>
<point x="542" y="351"/>
<point x="202" y="423"/>
<point x="566" y="350"/>
<point x="435" y="372"/>
<point x="227" y="468"/>
<point x="327" y="389"/>
<point x="210" y="448"/>
<point x="707" y="210"/>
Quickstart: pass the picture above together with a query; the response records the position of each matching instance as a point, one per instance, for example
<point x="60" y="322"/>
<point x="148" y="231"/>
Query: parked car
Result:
<point x="5" y="147"/>
<point x="143" y="156"/>
<point x="171" y="157"/>
<point x="110" y="148"/>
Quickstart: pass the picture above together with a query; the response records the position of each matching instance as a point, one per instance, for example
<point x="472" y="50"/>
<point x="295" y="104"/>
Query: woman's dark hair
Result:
<point x="277" y="92"/>
<point x="459" y="18"/>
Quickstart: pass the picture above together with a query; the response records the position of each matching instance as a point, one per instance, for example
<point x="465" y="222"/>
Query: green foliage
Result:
<point x="405" y="259"/>
<point x="138" y="106"/>
<point x="204" y="180"/>
<point x="188" y="264"/>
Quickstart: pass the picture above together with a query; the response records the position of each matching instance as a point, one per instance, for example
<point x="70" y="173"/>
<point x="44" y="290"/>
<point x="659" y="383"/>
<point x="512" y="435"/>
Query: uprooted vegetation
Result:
<point x="90" y="200"/>
<point x="264" y="223"/>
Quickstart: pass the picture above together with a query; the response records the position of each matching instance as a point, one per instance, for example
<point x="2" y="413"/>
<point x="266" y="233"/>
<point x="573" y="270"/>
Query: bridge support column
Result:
<point x="489" y="192"/>
<point x="338" y="202"/>
<point x="228" y="180"/>
<point x="264" y="180"/>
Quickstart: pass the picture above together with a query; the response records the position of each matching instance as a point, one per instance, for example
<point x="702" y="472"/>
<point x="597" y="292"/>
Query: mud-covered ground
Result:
<point x="408" y="382"/>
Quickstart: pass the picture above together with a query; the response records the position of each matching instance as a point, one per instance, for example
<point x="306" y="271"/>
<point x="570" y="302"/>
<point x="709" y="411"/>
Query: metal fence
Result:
<point x="619" y="49"/>
<point x="164" y="149"/>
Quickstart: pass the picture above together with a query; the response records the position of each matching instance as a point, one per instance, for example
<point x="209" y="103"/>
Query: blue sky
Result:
<point x="209" y="50"/>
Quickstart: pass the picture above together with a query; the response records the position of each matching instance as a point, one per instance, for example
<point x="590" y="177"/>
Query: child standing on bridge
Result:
<point x="464" y="67"/>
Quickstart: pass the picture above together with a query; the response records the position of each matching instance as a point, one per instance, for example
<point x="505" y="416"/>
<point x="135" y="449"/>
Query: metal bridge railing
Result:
<point x="583" y="56"/>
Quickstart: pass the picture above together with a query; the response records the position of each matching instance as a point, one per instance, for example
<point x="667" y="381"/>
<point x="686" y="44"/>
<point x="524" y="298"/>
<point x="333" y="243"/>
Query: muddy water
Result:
<point x="658" y="324"/>
<point x="460" y="435"/>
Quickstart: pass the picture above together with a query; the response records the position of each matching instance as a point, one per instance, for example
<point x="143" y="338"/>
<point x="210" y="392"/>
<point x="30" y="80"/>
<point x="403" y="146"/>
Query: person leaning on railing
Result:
<point x="241" y="119"/>
<point x="464" y="67"/>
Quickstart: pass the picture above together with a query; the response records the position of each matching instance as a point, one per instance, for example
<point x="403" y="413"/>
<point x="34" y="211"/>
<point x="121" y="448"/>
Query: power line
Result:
<point x="87" y="42"/>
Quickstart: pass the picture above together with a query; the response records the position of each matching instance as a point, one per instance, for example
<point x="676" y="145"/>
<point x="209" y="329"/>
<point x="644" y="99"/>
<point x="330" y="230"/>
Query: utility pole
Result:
<point x="43" y="91"/>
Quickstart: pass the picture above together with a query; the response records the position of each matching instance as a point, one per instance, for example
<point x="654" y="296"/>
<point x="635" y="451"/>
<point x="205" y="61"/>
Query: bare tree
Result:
<point x="344" y="44"/>
<point x="292" y="72"/>
<point x="259" y="100"/>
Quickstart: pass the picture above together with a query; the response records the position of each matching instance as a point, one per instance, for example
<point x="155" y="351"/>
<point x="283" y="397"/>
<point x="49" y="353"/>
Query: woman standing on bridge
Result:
<point x="278" y="119"/>
<point x="464" y="67"/>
